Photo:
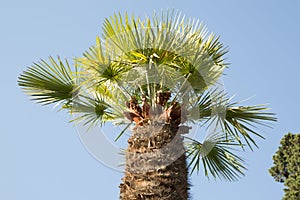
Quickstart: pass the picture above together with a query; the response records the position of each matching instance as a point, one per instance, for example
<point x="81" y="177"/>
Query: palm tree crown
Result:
<point x="144" y="70"/>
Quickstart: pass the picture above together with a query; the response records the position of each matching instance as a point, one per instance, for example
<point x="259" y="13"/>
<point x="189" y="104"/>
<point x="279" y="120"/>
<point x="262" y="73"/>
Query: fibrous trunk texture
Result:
<point x="156" y="164"/>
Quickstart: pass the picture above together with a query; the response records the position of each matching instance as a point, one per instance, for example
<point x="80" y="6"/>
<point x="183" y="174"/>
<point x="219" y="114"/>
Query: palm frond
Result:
<point x="92" y="110"/>
<point x="175" y="41"/>
<point x="50" y="82"/>
<point x="202" y="106"/>
<point x="241" y="121"/>
<point x="217" y="158"/>
<point x="215" y="49"/>
<point x="100" y="68"/>
<point x="238" y="122"/>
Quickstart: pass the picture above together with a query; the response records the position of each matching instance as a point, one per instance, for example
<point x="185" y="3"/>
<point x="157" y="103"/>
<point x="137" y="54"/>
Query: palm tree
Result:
<point x="158" y="77"/>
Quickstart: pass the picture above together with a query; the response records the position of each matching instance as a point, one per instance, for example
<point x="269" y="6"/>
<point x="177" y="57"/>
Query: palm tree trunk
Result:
<point x="155" y="164"/>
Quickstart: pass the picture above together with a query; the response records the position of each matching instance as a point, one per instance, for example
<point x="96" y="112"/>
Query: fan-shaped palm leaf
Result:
<point x="217" y="158"/>
<point x="167" y="40"/>
<point x="237" y="121"/>
<point x="49" y="83"/>
<point x="92" y="110"/>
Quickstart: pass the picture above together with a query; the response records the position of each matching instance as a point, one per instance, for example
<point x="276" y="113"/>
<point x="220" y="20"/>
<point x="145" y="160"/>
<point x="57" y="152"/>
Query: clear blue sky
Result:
<point x="41" y="156"/>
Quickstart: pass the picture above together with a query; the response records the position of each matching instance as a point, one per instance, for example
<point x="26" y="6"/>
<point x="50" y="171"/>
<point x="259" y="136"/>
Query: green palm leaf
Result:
<point x="242" y="121"/>
<point x="49" y="83"/>
<point x="238" y="122"/>
<point x="167" y="40"/>
<point x="92" y="110"/>
<point x="217" y="158"/>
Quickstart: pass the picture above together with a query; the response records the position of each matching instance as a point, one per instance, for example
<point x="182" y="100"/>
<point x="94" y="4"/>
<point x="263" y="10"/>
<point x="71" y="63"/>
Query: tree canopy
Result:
<point x="286" y="167"/>
<point x="137" y="58"/>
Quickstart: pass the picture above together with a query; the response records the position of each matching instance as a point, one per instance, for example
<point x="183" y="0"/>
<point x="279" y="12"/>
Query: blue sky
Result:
<point x="41" y="156"/>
